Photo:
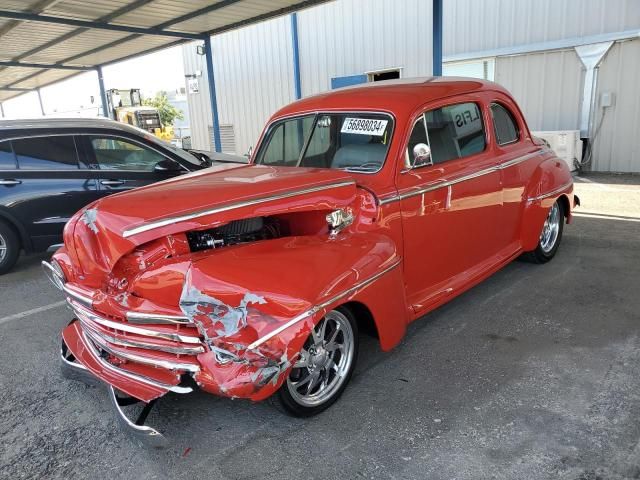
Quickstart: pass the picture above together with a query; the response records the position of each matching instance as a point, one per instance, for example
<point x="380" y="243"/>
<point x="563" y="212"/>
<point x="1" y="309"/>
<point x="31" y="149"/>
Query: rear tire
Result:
<point x="325" y="366"/>
<point x="9" y="247"/>
<point x="550" y="236"/>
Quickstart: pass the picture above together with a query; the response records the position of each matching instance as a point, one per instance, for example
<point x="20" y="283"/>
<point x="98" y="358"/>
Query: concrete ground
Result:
<point x="532" y="374"/>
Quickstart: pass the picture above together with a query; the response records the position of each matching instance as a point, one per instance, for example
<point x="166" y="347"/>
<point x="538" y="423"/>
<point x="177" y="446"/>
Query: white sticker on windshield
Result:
<point x="364" y="126"/>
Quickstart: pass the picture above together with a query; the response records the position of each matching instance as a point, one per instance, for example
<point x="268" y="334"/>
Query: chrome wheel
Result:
<point x="324" y="362"/>
<point x="3" y="248"/>
<point x="550" y="229"/>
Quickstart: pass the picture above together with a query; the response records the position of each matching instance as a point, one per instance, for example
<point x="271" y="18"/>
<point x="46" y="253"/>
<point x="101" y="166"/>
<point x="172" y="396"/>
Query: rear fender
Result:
<point x="255" y="304"/>
<point x="550" y="181"/>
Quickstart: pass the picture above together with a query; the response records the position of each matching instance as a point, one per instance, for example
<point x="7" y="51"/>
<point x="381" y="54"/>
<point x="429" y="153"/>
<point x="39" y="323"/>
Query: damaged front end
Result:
<point x="222" y="300"/>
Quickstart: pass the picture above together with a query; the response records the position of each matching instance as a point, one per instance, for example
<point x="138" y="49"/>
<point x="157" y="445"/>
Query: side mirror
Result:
<point x="249" y="152"/>
<point x="167" y="165"/>
<point x="421" y="155"/>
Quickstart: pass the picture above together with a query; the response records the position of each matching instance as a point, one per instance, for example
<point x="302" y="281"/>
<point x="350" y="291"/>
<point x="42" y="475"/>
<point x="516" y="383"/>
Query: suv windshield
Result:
<point x="356" y="142"/>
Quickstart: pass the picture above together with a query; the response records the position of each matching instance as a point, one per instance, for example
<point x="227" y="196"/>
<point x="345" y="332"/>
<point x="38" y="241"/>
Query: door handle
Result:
<point x="10" y="181"/>
<point x="112" y="183"/>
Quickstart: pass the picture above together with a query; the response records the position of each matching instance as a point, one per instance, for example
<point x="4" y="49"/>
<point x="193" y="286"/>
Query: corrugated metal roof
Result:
<point x="35" y="32"/>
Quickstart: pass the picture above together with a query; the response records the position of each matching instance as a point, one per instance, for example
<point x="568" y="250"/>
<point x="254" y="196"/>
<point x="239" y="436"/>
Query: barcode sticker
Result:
<point x="364" y="126"/>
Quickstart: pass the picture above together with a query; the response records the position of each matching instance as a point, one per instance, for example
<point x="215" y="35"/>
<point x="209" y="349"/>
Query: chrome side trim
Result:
<point x="93" y="351"/>
<point x="315" y="309"/>
<point x="83" y="312"/>
<point x="550" y="194"/>
<point x="145" y="434"/>
<point x="169" y="365"/>
<point x="464" y="178"/>
<point x="231" y="206"/>
<point x="144" y="318"/>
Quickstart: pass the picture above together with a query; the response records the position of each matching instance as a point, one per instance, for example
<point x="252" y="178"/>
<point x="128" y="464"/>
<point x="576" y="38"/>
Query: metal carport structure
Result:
<point x="45" y="41"/>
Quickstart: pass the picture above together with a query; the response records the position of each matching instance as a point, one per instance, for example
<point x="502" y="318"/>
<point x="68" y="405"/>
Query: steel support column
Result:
<point x="1" y="110"/>
<point x="437" y="38"/>
<point x="296" y="56"/>
<point x="212" y="93"/>
<point x="103" y="93"/>
<point x="40" y="100"/>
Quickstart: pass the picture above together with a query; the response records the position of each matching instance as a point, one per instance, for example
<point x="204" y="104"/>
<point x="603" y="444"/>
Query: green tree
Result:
<point x="168" y="113"/>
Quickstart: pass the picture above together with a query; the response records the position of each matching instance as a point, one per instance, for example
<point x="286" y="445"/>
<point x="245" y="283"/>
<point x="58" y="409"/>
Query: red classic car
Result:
<point x="361" y="210"/>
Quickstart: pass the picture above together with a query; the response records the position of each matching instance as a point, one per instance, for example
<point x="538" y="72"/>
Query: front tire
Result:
<point x="550" y="236"/>
<point x="325" y="365"/>
<point x="9" y="248"/>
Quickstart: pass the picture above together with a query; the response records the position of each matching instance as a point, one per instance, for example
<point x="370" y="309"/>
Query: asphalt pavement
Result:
<point x="531" y="374"/>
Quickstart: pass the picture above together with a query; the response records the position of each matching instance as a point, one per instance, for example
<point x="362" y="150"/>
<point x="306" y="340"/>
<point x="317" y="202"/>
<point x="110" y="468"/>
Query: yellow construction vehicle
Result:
<point x="126" y="106"/>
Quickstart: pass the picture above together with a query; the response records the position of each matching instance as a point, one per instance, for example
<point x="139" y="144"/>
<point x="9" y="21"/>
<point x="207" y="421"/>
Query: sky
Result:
<point x="151" y="73"/>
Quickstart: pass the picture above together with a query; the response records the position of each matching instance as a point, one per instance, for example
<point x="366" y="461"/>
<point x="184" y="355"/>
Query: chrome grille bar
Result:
<point x="81" y="311"/>
<point x="125" y="342"/>
<point x="169" y="365"/>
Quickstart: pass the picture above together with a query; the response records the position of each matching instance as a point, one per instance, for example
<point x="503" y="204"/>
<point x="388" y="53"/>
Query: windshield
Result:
<point x="356" y="142"/>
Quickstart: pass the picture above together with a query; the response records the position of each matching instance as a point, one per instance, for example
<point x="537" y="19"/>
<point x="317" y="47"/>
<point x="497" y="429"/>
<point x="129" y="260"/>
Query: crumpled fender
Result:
<point x="239" y="295"/>
<point x="552" y="176"/>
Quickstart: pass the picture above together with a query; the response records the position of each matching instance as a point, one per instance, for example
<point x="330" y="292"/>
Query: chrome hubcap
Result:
<point x="324" y="361"/>
<point x="3" y="248"/>
<point x="550" y="229"/>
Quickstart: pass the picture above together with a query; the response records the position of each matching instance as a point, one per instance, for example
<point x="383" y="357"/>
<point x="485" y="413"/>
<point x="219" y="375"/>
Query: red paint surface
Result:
<point x="446" y="240"/>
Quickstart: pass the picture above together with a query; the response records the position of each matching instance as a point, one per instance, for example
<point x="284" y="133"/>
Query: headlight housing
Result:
<point x="54" y="273"/>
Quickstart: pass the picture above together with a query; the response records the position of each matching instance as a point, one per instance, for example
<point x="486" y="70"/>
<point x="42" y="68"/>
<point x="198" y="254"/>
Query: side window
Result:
<point x="504" y="125"/>
<point x="112" y="153"/>
<point x="418" y="135"/>
<point x="286" y="142"/>
<point x="46" y="153"/>
<point x="7" y="159"/>
<point x="455" y="131"/>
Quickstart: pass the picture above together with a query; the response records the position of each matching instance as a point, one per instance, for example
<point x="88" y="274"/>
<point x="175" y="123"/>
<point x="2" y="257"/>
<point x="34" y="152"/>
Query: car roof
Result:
<point x="67" y="123"/>
<point x="399" y="97"/>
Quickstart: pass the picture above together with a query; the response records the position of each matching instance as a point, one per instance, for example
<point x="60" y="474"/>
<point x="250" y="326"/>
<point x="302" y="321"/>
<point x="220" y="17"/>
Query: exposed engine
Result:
<point x="238" y="231"/>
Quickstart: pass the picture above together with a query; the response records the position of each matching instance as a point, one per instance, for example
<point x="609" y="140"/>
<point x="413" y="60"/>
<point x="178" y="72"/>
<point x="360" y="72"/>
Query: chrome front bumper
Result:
<point x="143" y="434"/>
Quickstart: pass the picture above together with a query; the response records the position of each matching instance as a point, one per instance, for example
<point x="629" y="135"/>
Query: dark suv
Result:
<point x="51" y="168"/>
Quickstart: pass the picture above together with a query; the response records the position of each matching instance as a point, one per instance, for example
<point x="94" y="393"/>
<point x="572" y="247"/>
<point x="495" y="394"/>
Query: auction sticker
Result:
<point x="364" y="126"/>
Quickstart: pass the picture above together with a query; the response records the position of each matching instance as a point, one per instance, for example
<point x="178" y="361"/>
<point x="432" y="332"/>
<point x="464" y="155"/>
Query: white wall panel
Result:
<point x="547" y="87"/>
<point x="350" y="37"/>
<point x="253" y="68"/>
<point x="478" y="25"/>
<point x="617" y="146"/>
<point x="254" y="77"/>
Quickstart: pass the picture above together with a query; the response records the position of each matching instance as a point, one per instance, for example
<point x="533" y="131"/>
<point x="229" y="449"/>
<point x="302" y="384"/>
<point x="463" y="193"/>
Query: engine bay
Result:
<point x="235" y="232"/>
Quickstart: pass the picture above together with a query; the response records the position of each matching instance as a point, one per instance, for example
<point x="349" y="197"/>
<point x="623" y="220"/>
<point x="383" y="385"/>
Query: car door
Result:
<point x="515" y="153"/>
<point x="121" y="163"/>
<point x="450" y="202"/>
<point x="47" y="187"/>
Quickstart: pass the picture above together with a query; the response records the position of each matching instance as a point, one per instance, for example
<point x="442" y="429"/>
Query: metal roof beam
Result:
<point x="107" y="18"/>
<point x="37" y="8"/>
<point x="197" y="13"/>
<point x="33" y="17"/>
<point x="265" y="16"/>
<point x="53" y="66"/>
<point x="15" y="89"/>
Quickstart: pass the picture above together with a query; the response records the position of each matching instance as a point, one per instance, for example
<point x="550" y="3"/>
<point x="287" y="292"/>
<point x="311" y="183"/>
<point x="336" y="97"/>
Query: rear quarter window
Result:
<point x="7" y="159"/>
<point x="46" y="153"/>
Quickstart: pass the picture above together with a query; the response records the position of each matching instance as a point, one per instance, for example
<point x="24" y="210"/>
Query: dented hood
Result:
<point x="113" y="226"/>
